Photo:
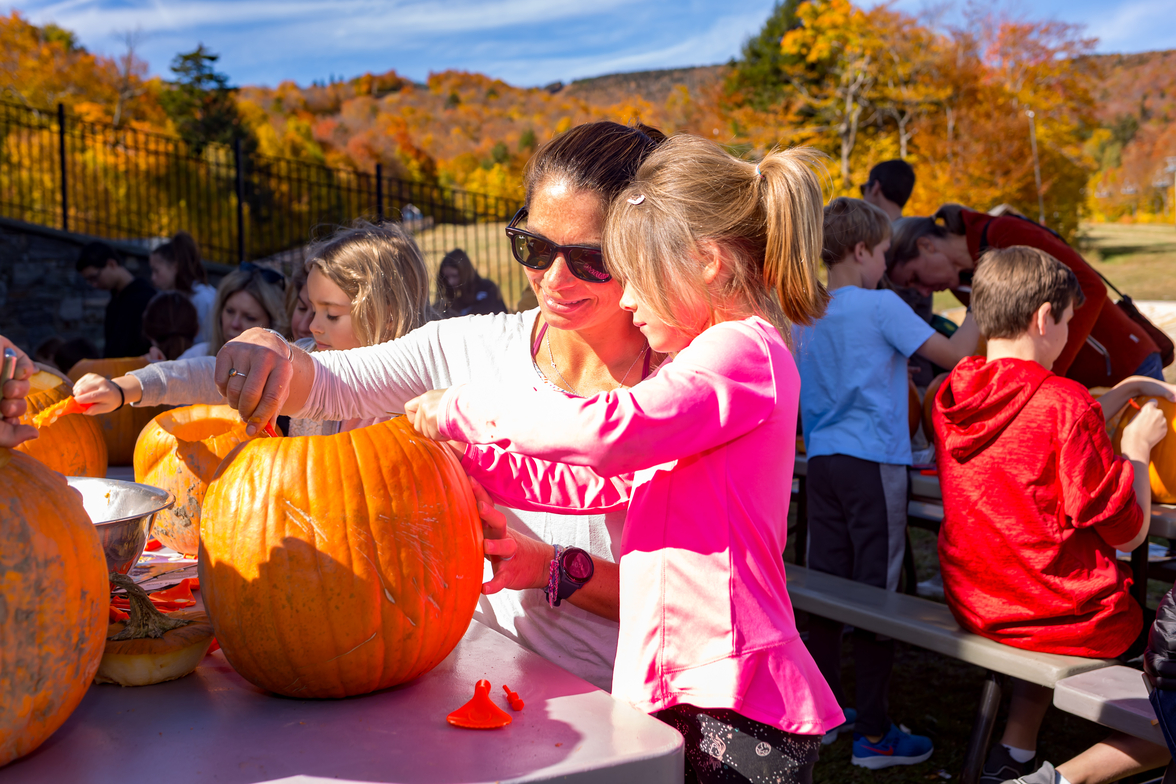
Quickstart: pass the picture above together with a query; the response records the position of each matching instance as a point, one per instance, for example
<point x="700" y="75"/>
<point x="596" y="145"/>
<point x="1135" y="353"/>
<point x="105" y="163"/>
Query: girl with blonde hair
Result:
<point x="718" y="258"/>
<point x="365" y="284"/>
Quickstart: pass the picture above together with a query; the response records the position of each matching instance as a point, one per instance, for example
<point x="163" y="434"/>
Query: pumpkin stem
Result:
<point x="146" y="621"/>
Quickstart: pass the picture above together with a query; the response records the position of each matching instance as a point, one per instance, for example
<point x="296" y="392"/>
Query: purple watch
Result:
<point x="570" y="570"/>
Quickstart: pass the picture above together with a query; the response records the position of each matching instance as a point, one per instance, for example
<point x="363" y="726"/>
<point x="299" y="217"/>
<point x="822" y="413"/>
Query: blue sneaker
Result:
<point x="847" y="726"/>
<point x="895" y="748"/>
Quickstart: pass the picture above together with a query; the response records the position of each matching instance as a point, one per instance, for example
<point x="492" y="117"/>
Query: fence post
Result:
<point x="379" y="192"/>
<point x="240" y="160"/>
<point x="64" y="176"/>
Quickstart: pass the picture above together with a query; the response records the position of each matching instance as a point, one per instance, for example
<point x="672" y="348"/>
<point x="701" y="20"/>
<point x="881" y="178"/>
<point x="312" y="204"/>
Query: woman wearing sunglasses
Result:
<point x="578" y="342"/>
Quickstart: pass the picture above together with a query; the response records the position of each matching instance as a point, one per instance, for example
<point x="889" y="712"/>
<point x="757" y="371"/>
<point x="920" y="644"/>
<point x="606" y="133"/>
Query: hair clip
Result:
<point x="640" y="197"/>
<point x="758" y="173"/>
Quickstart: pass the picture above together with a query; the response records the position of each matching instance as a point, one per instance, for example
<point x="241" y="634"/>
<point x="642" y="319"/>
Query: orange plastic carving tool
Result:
<point x="480" y="713"/>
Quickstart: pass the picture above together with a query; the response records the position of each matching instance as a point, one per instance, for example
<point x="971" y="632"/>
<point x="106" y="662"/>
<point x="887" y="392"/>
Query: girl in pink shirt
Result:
<point x="718" y="257"/>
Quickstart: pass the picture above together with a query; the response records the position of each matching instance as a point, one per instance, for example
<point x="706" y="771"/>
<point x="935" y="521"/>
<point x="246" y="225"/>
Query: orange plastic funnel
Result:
<point x="479" y="713"/>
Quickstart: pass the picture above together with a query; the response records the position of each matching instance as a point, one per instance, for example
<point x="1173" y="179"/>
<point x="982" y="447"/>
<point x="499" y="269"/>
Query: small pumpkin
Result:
<point x="179" y="451"/>
<point x="929" y="405"/>
<point x="120" y="428"/>
<point x="73" y="445"/>
<point x="55" y="603"/>
<point x="152" y="647"/>
<point x="1162" y="469"/>
<point x="337" y="565"/>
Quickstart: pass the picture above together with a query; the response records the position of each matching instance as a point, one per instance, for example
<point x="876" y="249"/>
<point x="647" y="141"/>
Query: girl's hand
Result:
<point x="155" y="355"/>
<point x="12" y="399"/>
<point x="422" y="411"/>
<point x="518" y="561"/>
<point x="103" y="395"/>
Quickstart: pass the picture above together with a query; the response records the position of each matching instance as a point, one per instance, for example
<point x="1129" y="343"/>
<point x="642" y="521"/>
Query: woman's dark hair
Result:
<point x="171" y="323"/>
<point x="183" y="252"/>
<point x="600" y="157"/>
<point x="904" y="241"/>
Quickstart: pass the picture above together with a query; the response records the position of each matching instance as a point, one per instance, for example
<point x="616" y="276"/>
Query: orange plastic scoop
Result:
<point x="58" y="410"/>
<point x="479" y="713"/>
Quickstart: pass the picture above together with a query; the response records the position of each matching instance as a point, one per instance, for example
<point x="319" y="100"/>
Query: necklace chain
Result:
<point x="572" y="389"/>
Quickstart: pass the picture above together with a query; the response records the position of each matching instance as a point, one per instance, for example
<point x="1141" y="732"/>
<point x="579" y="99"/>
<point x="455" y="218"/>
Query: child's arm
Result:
<point x="945" y="351"/>
<point x="1098" y="490"/>
<point x="718" y="388"/>
<point x="1141" y="434"/>
<point x="522" y="482"/>
<point x="1113" y="400"/>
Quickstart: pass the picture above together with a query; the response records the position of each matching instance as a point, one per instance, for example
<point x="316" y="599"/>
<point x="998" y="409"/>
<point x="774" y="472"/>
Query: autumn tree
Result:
<point x="831" y="60"/>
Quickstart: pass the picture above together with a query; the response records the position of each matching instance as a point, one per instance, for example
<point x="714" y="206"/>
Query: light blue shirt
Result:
<point x="853" y="376"/>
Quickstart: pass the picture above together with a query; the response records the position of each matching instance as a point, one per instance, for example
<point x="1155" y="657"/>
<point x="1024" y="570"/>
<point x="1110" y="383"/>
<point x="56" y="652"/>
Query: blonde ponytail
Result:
<point x="767" y="221"/>
<point x="794" y="205"/>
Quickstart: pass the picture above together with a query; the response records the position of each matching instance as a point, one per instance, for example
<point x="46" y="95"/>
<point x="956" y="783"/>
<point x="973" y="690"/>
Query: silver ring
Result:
<point x="235" y="372"/>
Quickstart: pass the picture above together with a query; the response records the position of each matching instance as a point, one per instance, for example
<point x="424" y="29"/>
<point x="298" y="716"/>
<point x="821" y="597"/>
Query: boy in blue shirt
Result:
<point x="853" y="402"/>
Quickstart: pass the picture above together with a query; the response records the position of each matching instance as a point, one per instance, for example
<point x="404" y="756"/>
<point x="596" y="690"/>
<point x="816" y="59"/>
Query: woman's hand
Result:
<point x="12" y="398"/>
<point x="155" y="355"/>
<point x="518" y="561"/>
<point x="1113" y="400"/>
<point x="103" y="395"/>
<point x="423" y="410"/>
<point x="253" y="372"/>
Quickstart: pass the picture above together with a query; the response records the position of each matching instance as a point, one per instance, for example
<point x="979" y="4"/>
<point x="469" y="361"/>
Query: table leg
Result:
<point x="982" y="730"/>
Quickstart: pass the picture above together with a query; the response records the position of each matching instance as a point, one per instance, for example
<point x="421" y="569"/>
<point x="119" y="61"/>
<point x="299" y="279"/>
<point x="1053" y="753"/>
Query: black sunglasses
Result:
<point x="537" y="253"/>
<point x="268" y="275"/>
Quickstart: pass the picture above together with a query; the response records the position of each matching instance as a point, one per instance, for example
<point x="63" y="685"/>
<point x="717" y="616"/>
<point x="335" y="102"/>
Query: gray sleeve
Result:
<point x="180" y="383"/>
<point x="373" y="381"/>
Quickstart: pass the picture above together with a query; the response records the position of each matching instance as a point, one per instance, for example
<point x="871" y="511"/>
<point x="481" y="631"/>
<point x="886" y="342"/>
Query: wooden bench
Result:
<point x="930" y="625"/>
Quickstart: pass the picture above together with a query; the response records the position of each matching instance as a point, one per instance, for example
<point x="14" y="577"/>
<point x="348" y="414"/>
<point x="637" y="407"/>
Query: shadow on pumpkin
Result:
<point x="398" y="731"/>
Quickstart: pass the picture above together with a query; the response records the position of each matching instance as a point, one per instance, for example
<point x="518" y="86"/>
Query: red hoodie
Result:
<point x="1033" y="499"/>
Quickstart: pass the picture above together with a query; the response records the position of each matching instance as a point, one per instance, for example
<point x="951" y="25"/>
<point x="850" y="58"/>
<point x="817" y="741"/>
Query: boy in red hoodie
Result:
<point x="1036" y="503"/>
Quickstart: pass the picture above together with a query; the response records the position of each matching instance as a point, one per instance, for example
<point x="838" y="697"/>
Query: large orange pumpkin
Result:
<point x="337" y="565"/>
<point x="120" y="428"/>
<point x="179" y="451"/>
<point x="54" y="608"/>
<point x="1162" y="469"/>
<point x="73" y="445"/>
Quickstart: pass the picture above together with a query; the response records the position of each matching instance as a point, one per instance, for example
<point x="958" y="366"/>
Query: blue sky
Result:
<point x="524" y="42"/>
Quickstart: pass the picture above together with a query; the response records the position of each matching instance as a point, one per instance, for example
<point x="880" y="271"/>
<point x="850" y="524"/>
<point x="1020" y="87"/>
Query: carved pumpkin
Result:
<point x="55" y="603"/>
<point x="179" y="451"/>
<point x="1162" y="469"/>
<point x="120" y="428"/>
<point x="152" y="647"/>
<point x="337" y="565"/>
<point x="73" y="445"/>
<point x="929" y="406"/>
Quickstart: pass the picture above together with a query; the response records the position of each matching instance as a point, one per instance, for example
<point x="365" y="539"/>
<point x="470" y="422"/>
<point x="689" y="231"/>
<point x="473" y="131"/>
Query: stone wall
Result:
<point x="41" y="293"/>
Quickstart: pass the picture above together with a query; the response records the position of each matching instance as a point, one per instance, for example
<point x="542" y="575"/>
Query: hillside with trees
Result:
<point x="963" y="105"/>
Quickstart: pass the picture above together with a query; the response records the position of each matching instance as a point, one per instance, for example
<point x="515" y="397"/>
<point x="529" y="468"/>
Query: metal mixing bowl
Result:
<point x="122" y="512"/>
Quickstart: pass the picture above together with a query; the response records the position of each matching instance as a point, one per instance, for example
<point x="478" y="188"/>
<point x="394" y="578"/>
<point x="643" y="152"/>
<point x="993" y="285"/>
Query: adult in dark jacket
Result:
<point x="941" y="252"/>
<point x="102" y="267"/>
<point x="461" y="291"/>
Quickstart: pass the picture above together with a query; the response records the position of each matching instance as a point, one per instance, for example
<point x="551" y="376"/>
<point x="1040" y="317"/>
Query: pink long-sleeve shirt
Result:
<point x="705" y="614"/>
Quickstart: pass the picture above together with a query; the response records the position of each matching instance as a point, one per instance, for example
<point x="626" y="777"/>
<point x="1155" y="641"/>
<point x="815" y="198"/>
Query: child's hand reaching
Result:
<point x="104" y="395"/>
<point x="422" y="412"/>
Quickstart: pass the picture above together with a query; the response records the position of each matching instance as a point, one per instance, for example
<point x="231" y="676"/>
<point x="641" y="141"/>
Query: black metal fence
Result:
<point x="122" y="183"/>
